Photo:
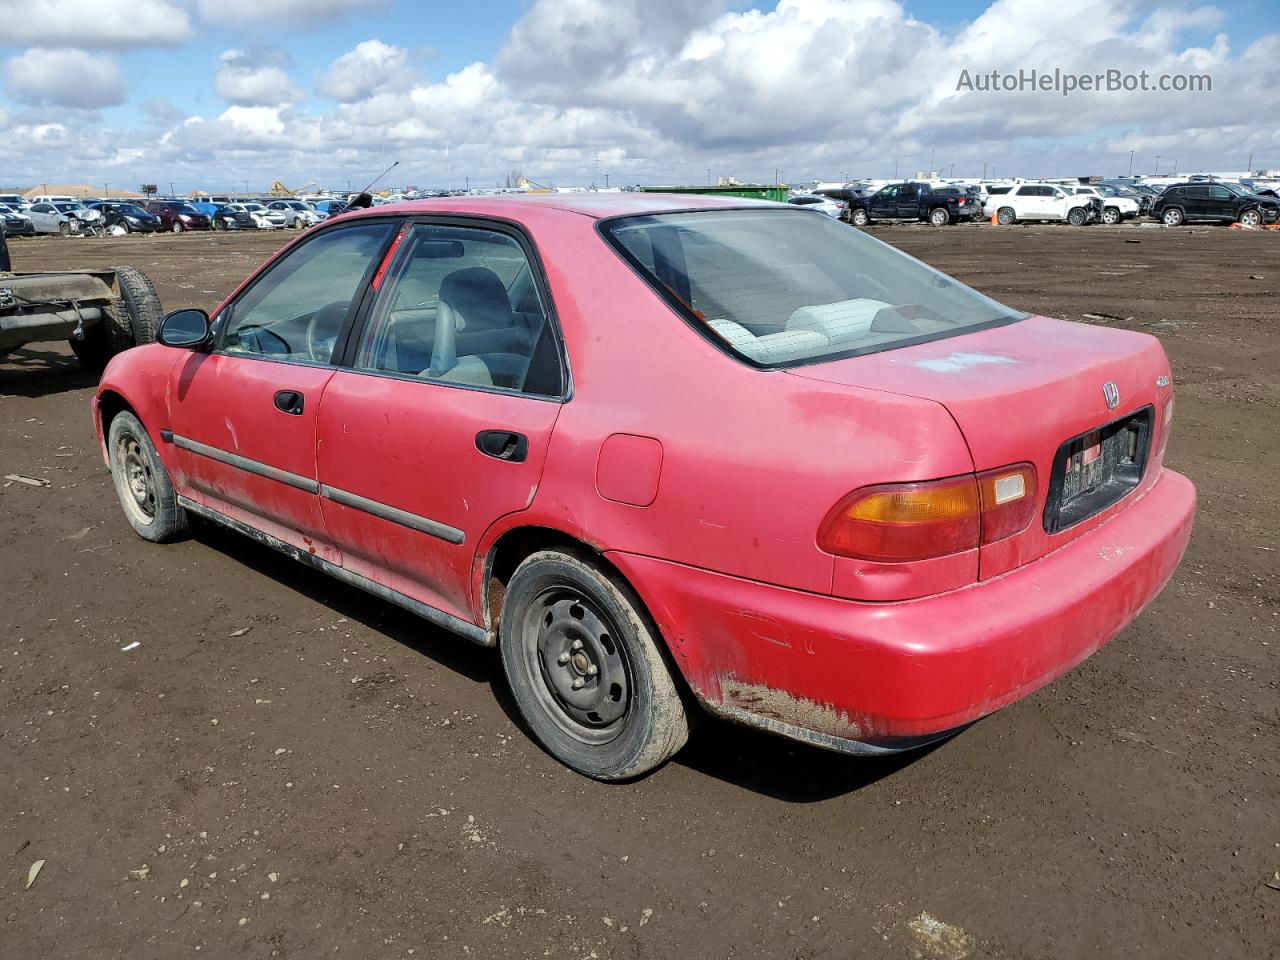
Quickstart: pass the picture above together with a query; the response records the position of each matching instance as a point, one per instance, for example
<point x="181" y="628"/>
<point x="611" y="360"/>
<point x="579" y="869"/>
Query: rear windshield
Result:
<point x="781" y="287"/>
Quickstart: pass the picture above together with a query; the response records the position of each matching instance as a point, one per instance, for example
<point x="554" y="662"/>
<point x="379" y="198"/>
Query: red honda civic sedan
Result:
<point x="671" y="451"/>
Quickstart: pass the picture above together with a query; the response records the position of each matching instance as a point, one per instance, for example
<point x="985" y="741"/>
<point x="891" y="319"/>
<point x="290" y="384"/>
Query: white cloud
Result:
<point x="94" y="24"/>
<point x="371" y="67"/>
<point x="255" y="78"/>
<point x="64" y="78"/>
<point x="294" y="13"/>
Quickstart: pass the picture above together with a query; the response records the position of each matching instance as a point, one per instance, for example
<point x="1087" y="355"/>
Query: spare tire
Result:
<point x="131" y="321"/>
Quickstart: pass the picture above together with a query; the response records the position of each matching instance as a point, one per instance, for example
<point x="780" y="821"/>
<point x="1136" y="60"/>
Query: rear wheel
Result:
<point x="939" y="216"/>
<point x="1005" y="216"/>
<point x="585" y="668"/>
<point x="1172" y="217"/>
<point x="131" y="321"/>
<point x="859" y="218"/>
<point x="1251" y="218"/>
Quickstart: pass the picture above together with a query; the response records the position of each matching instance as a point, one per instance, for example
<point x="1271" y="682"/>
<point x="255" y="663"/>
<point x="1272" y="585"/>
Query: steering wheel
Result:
<point x="258" y="332"/>
<point x="322" y="328"/>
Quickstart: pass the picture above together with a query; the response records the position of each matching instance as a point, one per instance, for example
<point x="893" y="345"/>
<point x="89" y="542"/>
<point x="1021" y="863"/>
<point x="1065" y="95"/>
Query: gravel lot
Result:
<point x="286" y="767"/>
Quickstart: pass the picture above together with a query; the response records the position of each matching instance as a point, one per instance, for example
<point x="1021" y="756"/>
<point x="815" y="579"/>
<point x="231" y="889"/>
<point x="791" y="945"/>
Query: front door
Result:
<point x="884" y="203"/>
<point x="441" y="425"/>
<point x="244" y="415"/>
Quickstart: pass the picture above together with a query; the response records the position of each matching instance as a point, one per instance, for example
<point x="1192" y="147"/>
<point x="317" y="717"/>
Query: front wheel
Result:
<point x="177" y="226"/>
<point x="859" y="218"/>
<point x="1251" y="218"/>
<point x="1078" y="216"/>
<point x="585" y="668"/>
<point x="1172" y="217"/>
<point x="142" y="484"/>
<point x="1110" y="216"/>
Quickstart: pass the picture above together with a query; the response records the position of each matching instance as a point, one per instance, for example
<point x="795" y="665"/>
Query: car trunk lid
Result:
<point x="1048" y="392"/>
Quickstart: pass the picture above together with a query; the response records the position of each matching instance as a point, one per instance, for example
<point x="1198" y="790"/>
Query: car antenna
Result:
<point x="364" y="198"/>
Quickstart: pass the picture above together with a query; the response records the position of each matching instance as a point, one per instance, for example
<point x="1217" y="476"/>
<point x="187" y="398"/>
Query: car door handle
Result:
<point x="289" y="401"/>
<point x="503" y="445"/>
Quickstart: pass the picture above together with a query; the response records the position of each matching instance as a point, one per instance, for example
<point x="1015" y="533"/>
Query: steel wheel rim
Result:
<point x="577" y="667"/>
<point x="137" y="481"/>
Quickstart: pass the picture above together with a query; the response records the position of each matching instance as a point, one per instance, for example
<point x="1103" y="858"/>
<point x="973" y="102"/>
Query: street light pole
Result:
<point x="1157" y="170"/>
<point x="1131" y="163"/>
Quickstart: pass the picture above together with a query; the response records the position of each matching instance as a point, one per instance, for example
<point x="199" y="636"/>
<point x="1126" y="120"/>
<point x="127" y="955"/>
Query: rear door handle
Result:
<point x="289" y="401"/>
<point x="503" y="445"/>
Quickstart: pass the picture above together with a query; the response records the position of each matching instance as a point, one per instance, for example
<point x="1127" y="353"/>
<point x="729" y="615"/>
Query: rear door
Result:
<point x="908" y="205"/>
<point x="1220" y="204"/>
<point x="440" y="425"/>
<point x="243" y="416"/>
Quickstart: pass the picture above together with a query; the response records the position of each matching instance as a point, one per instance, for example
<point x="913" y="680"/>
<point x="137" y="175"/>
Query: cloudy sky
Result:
<point x="220" y="93"/>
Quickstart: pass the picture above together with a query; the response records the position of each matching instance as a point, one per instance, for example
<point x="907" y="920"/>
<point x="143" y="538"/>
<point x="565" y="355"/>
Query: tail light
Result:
<point x="900" y="522"/>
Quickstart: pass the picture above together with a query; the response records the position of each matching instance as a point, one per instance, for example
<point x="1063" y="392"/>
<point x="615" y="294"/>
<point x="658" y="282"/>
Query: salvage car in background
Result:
<point x="913" y="200"/>
<point x="296" y="213"/>
<point x="130" y="216"/>
<point x="1115" y="206"/>
<point x="61" y="217"/>
<point x="1042" y="201"/>
<point x="788" y="483"/>
<point x="178" y="216"/>
<point x="263" y="218"/>
<point x="16" y="224"/>
<point x="835" y="209"/>
<point x="1223" y="202"/>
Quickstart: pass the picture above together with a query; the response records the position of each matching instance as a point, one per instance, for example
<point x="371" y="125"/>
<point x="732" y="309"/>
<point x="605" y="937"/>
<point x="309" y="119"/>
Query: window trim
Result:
<point x="346" y="352"/>
<point x="722" y="347"/>
<point x="362" y="288"/>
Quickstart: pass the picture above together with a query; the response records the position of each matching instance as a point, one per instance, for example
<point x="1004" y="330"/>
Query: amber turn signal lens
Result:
<point x="896" y="522"/>
<point x="899" y="522"/>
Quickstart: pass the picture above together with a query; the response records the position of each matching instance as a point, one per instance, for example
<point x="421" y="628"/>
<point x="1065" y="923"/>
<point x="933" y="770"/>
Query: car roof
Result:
<point x="594" y="205"/>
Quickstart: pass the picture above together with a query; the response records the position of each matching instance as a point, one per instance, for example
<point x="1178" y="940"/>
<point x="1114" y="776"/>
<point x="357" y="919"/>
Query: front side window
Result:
<point x="778" y="287"/>
<point x="296" y="309"/>
<point x="460" y="305"/>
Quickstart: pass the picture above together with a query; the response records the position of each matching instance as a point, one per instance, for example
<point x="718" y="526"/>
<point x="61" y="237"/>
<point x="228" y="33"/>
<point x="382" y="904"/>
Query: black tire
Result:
<point x="1077" y="216"/>
<point x="1006" y="217"/>
<point x="1251" y="218"/>
<point x="585" y="668"/>
<point x="64" y="228"/>
<point x="859" y="218"/>
<point x="177" y="226"/>
<point x="1111" y="216"/>
<point x="1172" y="217"/>
<point x="939" y="216"/>
<point x="142" y="484"/>
<point x="131" y="321"/>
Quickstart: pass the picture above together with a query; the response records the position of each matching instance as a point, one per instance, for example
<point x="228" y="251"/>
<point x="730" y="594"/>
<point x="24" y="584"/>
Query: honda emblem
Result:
<point x="1112" y="394"/>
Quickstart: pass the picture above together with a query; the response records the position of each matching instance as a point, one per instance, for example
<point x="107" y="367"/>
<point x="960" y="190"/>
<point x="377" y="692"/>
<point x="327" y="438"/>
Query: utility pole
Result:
<point x="246" y="186"/>
<point x="106" y="191"/>
<point x="953" y="170"/>
<point x="1250" y="167"/>
<point x="1175" y="168"/>
<point x="708" y="176"/>
<point x="984" y="169"/>
<point x="931" y="161"/>
<point x="468" y="184"/>
<point x="171" y="193"/>
<point x="895" y="169"/>
<point x="1131" y="163"/>
<point x="606" y="181"/>
<point x="1157" y="170"/>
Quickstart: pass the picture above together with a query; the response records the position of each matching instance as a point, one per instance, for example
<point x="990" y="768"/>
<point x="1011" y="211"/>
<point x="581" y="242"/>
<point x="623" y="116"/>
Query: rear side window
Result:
<point x="460" y="306"/>
<point x="781" y="287"/>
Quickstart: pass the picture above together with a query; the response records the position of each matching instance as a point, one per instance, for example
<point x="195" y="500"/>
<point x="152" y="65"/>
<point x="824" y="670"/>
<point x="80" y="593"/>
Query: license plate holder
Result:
<point x="1096" y="469"/>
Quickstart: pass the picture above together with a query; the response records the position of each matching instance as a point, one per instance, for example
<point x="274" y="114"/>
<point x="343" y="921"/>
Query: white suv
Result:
<point x="1114" y="206"/>
<point x="1041" y="201"/>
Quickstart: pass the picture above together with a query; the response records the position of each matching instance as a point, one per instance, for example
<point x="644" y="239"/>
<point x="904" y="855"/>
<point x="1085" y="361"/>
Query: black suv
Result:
<point x="1225" y="202"/>
<point x="915" y="201"/>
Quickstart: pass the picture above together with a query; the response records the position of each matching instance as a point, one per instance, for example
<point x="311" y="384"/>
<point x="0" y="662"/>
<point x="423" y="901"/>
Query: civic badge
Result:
<point x="1112" y="394"/>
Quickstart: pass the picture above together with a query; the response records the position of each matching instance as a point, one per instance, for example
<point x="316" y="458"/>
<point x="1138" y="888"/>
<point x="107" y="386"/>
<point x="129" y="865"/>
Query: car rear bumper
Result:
<point x="874" y="677"/>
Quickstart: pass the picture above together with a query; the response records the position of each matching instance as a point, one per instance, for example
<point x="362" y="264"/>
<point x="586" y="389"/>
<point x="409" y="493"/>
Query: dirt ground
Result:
<point x="286" y="767"/>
